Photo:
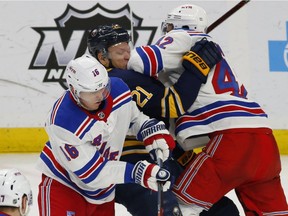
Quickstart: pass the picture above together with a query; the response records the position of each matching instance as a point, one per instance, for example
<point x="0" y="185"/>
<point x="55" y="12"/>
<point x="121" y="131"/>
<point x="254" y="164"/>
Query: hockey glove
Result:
<point x="156" y="136"/>
<point x="148" y="175"/>
<point x="163" y="142"/>
<point x="201" y="58"/>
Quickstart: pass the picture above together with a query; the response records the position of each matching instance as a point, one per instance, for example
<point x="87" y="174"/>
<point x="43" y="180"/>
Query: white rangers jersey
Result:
<point x="221" y="103"/>
<point x="84" y="147"/>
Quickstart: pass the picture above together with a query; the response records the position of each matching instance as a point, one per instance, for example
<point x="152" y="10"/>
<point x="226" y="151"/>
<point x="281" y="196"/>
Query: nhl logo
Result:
<point x="58" y="45"/>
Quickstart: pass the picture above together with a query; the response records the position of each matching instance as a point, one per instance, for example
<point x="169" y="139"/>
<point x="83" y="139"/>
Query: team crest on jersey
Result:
<point x="58" y="45"/>
<point x="101" y="115"/>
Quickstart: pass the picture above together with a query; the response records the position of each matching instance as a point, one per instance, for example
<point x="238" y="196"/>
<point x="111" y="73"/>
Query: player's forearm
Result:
<point x="182" y="95"/>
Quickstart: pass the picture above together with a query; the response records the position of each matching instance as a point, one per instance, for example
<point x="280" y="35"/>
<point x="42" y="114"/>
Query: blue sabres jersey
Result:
<point x="155" y="99"/>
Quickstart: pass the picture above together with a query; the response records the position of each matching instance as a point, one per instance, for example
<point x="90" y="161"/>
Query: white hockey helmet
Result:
<point x="187" y="16"/>
<point x="13" y="185"/>
<point x="86" y="74"/>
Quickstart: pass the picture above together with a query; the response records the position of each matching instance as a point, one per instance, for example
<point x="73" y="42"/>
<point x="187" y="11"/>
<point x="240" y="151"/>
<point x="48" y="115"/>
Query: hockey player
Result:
<point x="109" y="44"/>
<point x="15" y="193"/>
<point x="87" y="126"/>
<point x="242" y="153"/>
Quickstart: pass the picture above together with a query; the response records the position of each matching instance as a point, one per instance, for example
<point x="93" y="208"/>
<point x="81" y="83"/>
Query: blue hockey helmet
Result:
<point x="105" y="36"/>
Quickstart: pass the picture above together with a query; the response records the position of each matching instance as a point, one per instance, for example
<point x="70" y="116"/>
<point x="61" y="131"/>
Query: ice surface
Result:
<point x="25" y="162"/>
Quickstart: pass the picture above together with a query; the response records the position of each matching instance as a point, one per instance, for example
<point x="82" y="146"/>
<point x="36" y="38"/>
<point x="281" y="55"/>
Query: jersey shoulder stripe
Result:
<point x="122" y="99"/>
<point x="118" y="87"/>
<point x="55" y="109"/>
<point x="63" y="109"/>
<point x="197" y="34"/>
<point x="151" y="58"/>
<point x="120" y="94"/>
<point x="84" y="127"/>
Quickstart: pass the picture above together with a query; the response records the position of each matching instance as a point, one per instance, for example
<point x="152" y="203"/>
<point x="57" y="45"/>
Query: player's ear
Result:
<point x="24" y="204"/>
<point x="103" y="59"/>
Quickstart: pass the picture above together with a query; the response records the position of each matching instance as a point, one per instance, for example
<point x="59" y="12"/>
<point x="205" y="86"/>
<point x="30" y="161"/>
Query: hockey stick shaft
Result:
<point x="160" y="211"/>
<point x="226" y="15"/>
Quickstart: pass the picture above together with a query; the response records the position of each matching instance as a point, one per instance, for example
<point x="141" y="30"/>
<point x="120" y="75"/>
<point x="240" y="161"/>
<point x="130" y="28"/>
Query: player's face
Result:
<point x="166" y="27"/>
<point x="170" y="27"/>
<point x="92" y="100"/>
<point x="119" y="55"/>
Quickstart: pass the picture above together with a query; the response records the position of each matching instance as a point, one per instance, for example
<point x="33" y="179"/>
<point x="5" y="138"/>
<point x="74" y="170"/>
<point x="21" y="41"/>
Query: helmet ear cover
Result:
<point x="102" y="37"/>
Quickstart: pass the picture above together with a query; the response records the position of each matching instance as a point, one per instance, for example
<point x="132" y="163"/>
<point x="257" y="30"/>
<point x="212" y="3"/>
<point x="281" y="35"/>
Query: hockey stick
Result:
<point x="160" y="210"/>
<point x="226" y="15"/>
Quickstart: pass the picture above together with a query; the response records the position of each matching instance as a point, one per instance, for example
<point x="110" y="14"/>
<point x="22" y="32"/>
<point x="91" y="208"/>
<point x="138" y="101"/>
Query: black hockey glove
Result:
<point x="201" y="58"/>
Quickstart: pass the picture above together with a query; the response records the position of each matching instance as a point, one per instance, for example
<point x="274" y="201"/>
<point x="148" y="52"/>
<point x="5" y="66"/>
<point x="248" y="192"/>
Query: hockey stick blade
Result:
<point x="227" y="15"/>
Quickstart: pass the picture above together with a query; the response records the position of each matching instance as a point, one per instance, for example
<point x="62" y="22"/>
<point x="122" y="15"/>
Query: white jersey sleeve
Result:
<point x="164" y="58"/>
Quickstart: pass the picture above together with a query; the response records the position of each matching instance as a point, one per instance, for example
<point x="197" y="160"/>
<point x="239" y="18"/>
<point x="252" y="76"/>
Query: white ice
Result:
<point x="25" y="162"/>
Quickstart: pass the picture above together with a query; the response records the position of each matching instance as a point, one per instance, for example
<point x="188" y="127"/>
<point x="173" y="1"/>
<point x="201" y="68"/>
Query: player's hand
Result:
<point x="148" y="175"/>
<point x="163" y="142"/>
<point x="202" y="57"/>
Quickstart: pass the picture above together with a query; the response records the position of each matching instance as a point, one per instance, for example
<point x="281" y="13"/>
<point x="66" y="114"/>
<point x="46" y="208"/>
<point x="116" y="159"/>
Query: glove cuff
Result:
<point x="197" y="61"/>
<point x="150" y="128"/>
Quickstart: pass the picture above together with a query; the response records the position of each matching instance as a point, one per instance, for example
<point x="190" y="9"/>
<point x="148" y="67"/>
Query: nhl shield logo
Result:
<point x="58" y="45"/>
